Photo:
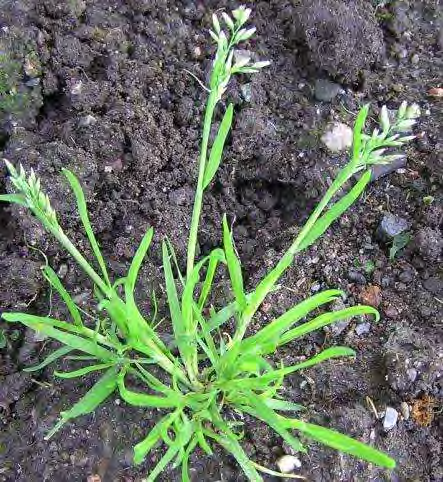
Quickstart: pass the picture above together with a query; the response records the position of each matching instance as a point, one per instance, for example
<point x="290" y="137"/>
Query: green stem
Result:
<point x="198" y="201"/>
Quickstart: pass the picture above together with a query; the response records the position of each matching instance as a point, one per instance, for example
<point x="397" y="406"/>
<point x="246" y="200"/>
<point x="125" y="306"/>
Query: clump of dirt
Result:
<point x="341" y="38"/>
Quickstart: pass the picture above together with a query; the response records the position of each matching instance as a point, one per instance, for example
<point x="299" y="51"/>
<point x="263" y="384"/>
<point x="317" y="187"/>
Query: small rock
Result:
<point x="339" y="326"/>
<point x="325" y="90"/>
<point x="412" y="374"/>
<point x="287" y="463"/>
<point x="338" y="137"/>
<point x="429" y="243"/>
<point x="371" y="296"/>
<point x="382" y="170"/>
<point x="391" y="226"/>
<point x="87" y="120"/>
<point x="356" y="277"/>
<point x="391" y="311"/>
<point x="315" y="287"/>
<point x="415" y="59"/>
<point x="62" y="271"/>
<point x="405" y="277"/>
<point x="362" y="328"/>
<point x="33" y="82"/>
<point x="94" y="478"/>
<point x="246" y="92"/>
<point x="405" y="411"/>
<point x="390" y="419"/>
<point x="77" y="88"/>
<point x="436" y="92"/>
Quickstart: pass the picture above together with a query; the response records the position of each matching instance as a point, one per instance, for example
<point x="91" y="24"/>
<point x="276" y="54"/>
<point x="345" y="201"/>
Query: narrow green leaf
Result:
<point x="185" y="461"/>
<point x="219" y="318"/>
<point x="174" y="305"/>
<point x="358" y="129"/>
<point x="138" y="258"/>
<point x="55" y="355"/>
<point x="83" y="212"/>
<point x="271" y="332"/>
<point x="335" y="211"/>
<point x="136" y="323"/>
<point x="14" y="199"/>
<point x="333" y="352"/>
<point x="326" y="319"/>
<point x="340" y="442"/>
<point x="46" y="326"/>
<point x="105" y="386"/>
<point x="234" y="267"/>
<point x="266" y="285"/>
<point x="83" y="371"/>
<point x="55" y="282"/>
<point x="144" y="400"/>
<point x="261" y="411"/>
<point x="261" y="382"/>
<point x="229" y="442"/>
<point x="282" y="405"/>
<point x="145" y="446"/>
<point x="217" y="148"/>
<point x="216" y="256"/>
<point x="175" y="260"/>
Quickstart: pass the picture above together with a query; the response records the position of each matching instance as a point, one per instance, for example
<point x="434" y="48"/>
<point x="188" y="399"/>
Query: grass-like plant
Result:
<point x="212" y="374"/>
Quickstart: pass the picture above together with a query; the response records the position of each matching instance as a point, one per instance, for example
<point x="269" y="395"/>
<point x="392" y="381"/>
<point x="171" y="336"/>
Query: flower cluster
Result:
<point x="227" y="60"/>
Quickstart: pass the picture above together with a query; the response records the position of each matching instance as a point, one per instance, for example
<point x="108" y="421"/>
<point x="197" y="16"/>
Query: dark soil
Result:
<point x="111" y="99"/>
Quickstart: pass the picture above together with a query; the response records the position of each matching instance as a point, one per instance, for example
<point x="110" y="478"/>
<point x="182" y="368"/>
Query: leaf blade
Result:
<point x="217" y="148"/>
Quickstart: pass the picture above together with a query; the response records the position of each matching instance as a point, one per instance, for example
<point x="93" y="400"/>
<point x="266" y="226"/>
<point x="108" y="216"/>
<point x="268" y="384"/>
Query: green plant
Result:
<point x="213" y="374"/>
<point x="399" y="242"/>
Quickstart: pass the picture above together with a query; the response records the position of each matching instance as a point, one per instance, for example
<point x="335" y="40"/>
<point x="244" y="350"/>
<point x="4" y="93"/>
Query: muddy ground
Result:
<point x="104" y="89"/>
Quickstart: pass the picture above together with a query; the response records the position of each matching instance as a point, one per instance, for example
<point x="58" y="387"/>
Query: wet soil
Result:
<point x="109" y="95"/>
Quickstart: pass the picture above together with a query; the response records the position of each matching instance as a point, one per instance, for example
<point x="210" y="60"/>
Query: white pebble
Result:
<point x="287" y="463"/>
<point x="338" y="137"/>
<point x="390" y="419"/>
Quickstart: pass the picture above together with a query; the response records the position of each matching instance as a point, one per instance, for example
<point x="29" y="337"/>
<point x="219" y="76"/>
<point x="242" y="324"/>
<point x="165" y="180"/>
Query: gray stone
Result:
<point x="246" y="92"/>
<point x="391" y="226"/>
<point x="363" y="328"/>
<point x="337" y="328"/>
<point x="390" y="419"/>
<point x="356" y="277"/>
<point x="87" y="120"/>
<point x="412" y="374"/>
<point x="382" y="170"/>
<point x="33" y="82"/>
<point x="405" y="411"/>
<point x="326" y="91"/>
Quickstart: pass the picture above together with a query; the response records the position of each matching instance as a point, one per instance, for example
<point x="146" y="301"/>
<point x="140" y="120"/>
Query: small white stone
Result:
<point x="405" y="411"/>
<point x="390" y="419"/>
<point x="287" y="463"/>
<point x="77" y="88"/>
<point x="338" y="137"/>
